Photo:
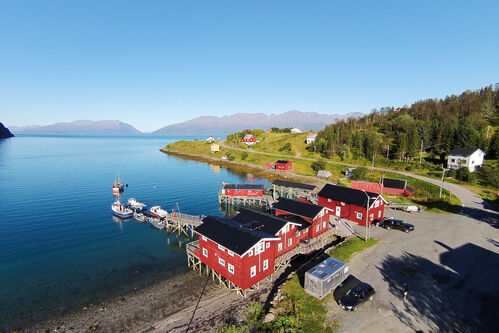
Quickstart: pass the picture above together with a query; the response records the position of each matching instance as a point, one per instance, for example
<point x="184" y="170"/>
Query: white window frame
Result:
<point x="262" y="247"/>
<point x="359" y="215"/>
<point x="279" y="247"/>
<point x="265" y="264"/>
<point x="371" y="216"/>
<point x="203" y="238"/>
<point x="328" y="200"/>
<point x="323" y="224"/>
<point x="221" y="261"/>
<point x="250" y="254"/>
<point x="298" y="233"/>
<point x="268" y="245"/>
<point x="230" y="253"/>
<point x="205" y="252"/>
<point x="290" y="242"/>
<point x="230" y="268"/>
<point x="221" y="248"/>
<point x="317" y="228"/>
<point x="379" y="214"/>
<point x="253" y="271"/>
<point x="376" y="204"/>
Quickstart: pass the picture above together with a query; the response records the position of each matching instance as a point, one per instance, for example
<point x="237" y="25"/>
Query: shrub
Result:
<point x="244" y="155"/>
<point x="319" y="165"/>
<point x="231" y="157"/>
<point x="286" y="147"/>
<point x="359" y="173"/>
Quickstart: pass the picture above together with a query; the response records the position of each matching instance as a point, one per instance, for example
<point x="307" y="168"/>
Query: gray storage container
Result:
<point x="323" y="278"/>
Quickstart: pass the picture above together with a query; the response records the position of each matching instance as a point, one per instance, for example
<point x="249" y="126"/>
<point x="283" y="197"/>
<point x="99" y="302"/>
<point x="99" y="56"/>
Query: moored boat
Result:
<point x="134" y="204"/>
<point x="121" y="210"/>
<point x="139" y="217"/>
<point x="157" y="211"/>
<point x="118" y="184"/>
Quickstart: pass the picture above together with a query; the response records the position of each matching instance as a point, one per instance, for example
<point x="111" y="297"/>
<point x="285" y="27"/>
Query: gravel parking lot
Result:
<point x="451" y="265"/>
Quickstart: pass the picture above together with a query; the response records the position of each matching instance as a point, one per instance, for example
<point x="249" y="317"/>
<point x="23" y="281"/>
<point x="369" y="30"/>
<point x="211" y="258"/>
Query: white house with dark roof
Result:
<point x="470" y="158"/>
<point x="311" y="138"/>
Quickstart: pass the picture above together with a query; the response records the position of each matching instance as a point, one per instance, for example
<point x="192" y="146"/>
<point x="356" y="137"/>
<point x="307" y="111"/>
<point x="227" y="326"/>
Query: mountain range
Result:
<point x="210" y="125"/>
<point x="239" y="121"/>
<point x="4" y="132"/>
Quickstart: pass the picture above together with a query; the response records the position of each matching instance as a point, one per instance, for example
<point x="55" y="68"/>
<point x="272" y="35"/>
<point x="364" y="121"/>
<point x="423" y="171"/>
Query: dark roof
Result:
<point x="348" y="195"/>
<point x="230" y="234"/>
<point x="281" y="162"/>
<point x="293" y="184"/>
<point x="299" y="208"/>
<point x="462" y="151"/>
<point x="394" y="183"/>
<point x="256" y="220"/>
<point x="297" y="219"/>
<point x="243" y="187"/>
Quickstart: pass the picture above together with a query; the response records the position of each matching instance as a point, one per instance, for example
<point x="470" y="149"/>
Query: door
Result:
<point x="338" y="210"/>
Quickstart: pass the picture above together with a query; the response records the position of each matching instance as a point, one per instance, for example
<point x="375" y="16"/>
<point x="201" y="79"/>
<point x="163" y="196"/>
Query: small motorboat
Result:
<point x="134" y="204"/>
<point x="157" y="211"/>
<point x="157" y="223"/>
<point x="121" y="210"/>
<point x="139" y="217"/>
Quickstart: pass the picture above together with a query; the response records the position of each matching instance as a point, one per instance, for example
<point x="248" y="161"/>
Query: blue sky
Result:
<point x="153" y="63"/>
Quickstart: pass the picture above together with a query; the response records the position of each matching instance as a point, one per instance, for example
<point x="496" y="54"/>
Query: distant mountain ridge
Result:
<point x="239" y="121"/>
<point x="81" y="127"/>
<point x="4" y="132"/>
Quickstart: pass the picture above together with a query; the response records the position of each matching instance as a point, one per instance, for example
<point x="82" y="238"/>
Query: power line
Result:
<point x="197" y="304"/>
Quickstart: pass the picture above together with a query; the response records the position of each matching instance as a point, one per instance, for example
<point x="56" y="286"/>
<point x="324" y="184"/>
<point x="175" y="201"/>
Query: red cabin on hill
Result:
<point x="243" y="249"/>
<point x="314" y="218"/>
<point x="355" y="205"/>
<point x="243" y="190"/>
<point x="248" y="139"/>
<point x="283" y="165"/>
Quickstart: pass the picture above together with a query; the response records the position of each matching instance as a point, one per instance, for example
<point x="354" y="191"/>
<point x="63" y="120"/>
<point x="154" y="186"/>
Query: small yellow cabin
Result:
<point x="215" y="147"/>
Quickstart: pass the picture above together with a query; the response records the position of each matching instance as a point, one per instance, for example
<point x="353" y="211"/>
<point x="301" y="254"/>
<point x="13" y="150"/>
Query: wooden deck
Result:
<point x="259" y="201"/>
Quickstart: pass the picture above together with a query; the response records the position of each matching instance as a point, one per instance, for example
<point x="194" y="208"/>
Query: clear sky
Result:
<point x="154" y="63"/>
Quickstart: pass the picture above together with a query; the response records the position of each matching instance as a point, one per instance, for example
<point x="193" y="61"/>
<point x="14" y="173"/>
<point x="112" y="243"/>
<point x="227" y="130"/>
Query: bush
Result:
<point x="319" y="165"/>
<point x="244" y="155"/>
<point x="286" y="147"/>
<point x="464" y="174"/>
<point x="359" y="173"/>
<point x="231" y="157"/>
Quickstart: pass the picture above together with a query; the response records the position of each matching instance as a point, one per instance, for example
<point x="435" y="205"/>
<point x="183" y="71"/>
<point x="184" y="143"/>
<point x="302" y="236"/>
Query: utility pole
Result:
<point x="387" y="151"/>
<point x="442" y="183"/>
<point x="367" y="214"/>
<point x="421" y="152"/>
<point x="374" y="156"/>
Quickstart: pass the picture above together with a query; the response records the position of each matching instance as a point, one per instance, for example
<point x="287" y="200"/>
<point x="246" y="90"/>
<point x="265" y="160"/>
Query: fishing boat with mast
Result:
<point x="135" y="205"/>
<point x="121" y="210"/>
<point x="118" y="185"/>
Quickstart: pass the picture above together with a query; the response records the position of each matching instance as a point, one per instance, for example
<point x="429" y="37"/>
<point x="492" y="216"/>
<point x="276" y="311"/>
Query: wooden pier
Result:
<point x="177" y="222"/>
<point x="253" y="201"/>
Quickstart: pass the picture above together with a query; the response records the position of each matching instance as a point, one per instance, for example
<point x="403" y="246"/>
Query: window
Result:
<point x="253" y="271"/>
<point x="203" y="238"/>
<point x="279" y="247"/>
<point x="328" y="200"/>
<point x="371" y="216"/>
<point x="250" y="252"/>
<point x="221" y="261"/>
<point x="265" y="264"/>
<point x="262" y="246"/>
<point x="290" y="242"/>
<point x="231" y="268"/>
<point x="317" y="228"/>
<point x="453" y="160"/>
<point x="230" y="253"/>
<point x="379" y="214"/>
<point x="298" y="233"/>
<point x="343" y="204"/>
<point x="324" y="225"/>
<point x="205" y="252"/>
<point x="359" y="215"/>
<point x="268" y="245"/>
<point x="287" y="227"/>
<point x="376" y="204"/>
<point x="220" y="247"/>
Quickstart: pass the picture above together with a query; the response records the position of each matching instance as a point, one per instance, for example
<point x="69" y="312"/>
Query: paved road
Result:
<point x="451" y="265"/>
<point x="471" y="201"/>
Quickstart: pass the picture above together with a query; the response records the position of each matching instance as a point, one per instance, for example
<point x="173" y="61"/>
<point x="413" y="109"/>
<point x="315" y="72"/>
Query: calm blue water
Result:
<point x="61" y="248"/>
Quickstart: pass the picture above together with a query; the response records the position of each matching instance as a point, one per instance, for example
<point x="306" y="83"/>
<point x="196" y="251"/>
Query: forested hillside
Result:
<point x="467" y="120"/>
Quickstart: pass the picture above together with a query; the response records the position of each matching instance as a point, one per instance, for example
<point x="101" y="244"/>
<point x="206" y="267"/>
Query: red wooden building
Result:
<point x="314" y="218"/>
<point x="386" y="185"/>
<point x="248" y="139"/>
<point x="355" y="205"/>
<point x="283" y="165"/>
<point x="243" y="190"/>
<point x="243" y="249"/>
<point x="366" y="186"/>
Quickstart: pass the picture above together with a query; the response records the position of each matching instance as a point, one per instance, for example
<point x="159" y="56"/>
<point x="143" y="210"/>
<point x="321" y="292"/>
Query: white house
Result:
<point x="465" y="157"/>
<point x="311" y="138"/>
<point x="210" y="139"/>
<point x="295" y="130"/>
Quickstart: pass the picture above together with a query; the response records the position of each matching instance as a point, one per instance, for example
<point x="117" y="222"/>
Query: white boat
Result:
<point x="139" y="217"/>
<point x="134" y="204"/>
<point x="157" y="223"/>
<point x="157" y="211"/>
<point x="121" y="210"/>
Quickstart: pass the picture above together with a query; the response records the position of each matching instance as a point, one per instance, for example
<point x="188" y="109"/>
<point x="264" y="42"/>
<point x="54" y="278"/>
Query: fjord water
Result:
<point x="60" y="246"/>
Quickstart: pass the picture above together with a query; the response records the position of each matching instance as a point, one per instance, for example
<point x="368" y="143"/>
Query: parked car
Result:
<point x="392" y="223"/>
<point x="352" y="293"/>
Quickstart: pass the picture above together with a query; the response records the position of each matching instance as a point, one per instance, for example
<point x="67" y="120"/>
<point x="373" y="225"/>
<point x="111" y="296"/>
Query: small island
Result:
<point x="4" y="132"/>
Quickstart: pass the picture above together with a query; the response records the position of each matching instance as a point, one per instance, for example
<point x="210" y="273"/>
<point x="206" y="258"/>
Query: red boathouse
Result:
<point x="355" y="205"/>
<point x="283" y="165"/>
<point x="315" y="218"/>
<point x="243" y="190"/>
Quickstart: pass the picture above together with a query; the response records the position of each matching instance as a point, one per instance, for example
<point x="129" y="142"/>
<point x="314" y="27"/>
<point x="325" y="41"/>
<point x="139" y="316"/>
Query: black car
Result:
<point x="396" y="224"/>
<point x="352" y="293"/>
